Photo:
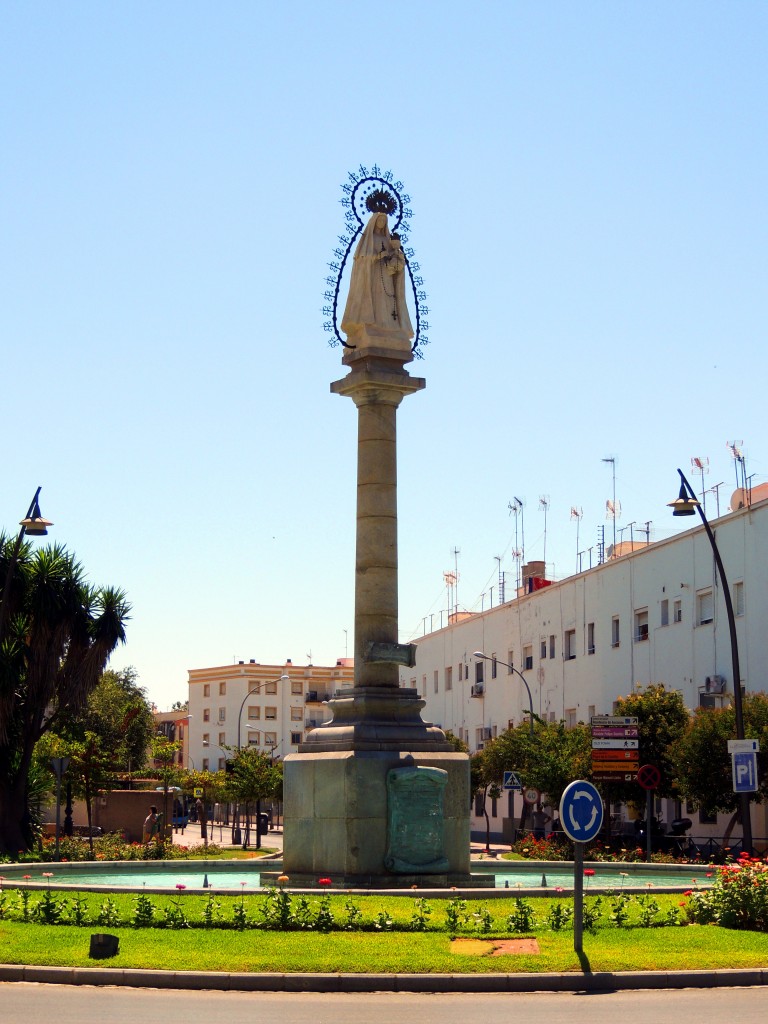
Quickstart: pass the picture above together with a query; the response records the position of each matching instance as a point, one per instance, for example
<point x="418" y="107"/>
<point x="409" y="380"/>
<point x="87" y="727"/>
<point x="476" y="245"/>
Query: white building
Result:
<point x="271" y="707"/>
<point x="654" y="615"/>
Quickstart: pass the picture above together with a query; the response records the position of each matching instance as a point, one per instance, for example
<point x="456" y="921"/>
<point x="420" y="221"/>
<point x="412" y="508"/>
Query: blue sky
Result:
<point x="588" y="183"/>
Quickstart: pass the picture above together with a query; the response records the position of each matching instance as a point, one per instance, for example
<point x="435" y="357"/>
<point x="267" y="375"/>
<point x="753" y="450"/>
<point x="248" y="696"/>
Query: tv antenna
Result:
<point x="544" y="507"/>
<point x="700" y="465"/>
<point x="740" y="462"/>
<point x="612" y="460"/>
<point x="516" y="508"/>
<point x="577" y="513"/>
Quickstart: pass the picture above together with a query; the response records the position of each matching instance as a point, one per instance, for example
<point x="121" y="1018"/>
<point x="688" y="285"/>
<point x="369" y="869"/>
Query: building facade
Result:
<point x="653" y="615"/>
<point x="271" y="707"/>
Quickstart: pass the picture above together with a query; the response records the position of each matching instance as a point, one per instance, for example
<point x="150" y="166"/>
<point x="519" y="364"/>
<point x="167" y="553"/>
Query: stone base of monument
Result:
<point x="382" y="818"/>
<point x="398" y="882"/>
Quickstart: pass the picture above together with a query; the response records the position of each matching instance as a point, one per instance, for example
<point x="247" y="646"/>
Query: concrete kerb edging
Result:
<point x="600" y="982"/>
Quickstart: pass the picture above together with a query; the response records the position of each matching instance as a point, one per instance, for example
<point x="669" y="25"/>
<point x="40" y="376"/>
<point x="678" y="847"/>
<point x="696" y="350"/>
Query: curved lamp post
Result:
<point x="32" y="525"/>
<point x="686" y="504"/>
<point x="236" y="830"/>
<point x="486" y="657"/>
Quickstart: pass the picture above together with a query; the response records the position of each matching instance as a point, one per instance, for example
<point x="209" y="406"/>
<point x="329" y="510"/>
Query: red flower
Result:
<point x="589" y="872"/>
<point x="324" y="881"/>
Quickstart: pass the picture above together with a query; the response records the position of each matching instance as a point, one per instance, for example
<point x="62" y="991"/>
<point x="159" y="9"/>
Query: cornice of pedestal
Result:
<point x="377" y="378"/>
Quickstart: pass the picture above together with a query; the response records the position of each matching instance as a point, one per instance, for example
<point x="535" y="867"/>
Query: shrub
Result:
<point x="738" y="899"/>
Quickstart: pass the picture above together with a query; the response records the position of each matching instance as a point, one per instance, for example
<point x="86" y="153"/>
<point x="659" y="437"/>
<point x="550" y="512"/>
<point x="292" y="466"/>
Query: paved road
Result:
<point x="73" y="1005"/>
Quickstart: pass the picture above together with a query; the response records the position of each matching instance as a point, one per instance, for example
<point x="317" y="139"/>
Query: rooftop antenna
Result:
<point x="577" y="513"/>
<point x="701" y="465"/>
<point x="715" y="489"/>
<point x="739" y="461"/>
<point x="613" y="511"/>
<point x="501" y="579"/>
<point x="346" y="643"/>
<point x="544" y="507"/>
<point x="612" y="460"/>
<point x="516" y="507"/>
<point x="456" y="552"/>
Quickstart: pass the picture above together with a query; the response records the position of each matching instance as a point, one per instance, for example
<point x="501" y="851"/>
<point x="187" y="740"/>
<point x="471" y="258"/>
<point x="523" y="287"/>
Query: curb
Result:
<point x="606" y="981"/>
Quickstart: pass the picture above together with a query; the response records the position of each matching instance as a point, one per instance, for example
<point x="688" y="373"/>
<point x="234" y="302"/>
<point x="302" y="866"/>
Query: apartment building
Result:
<point x="271" y="707"/>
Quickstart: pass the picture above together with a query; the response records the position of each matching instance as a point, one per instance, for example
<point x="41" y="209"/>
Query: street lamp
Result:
<point x="485" y="657"/>
<point x="686" y="504"/>
<point x="32" y="525"/>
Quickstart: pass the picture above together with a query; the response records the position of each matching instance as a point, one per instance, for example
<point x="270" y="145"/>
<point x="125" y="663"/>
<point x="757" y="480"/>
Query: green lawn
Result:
<point x="672" y="947"/>
<point x="685" y="948"/>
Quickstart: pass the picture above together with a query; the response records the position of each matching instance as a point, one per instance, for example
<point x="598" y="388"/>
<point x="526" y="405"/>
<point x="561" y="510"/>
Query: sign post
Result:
<point x="581" y="818"/>
<point x="648" y="777"/>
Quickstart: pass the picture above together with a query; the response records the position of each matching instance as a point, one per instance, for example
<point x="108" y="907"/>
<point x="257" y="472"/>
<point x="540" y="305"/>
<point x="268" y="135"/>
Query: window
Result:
<point x="590" y="638"/>
<point x="543" y="650"/>
<point x="615" y="632"/>
<point x="297" y="686"/>
<point x="271" y="687"/>
<point x="270" y="739"/>
<point x="552" y="645"/>
<point x="206" y="738"/>
<point x="205" y="764"/>
<point x="738" y="598"/>
<point x="705" y="609"/>
<point x="479" y="671"/>
<point x="677" y="611"/>
<point x="449" y="677"/>
<point x="206" y="689"/>
<point x="707" y="819"/>
<point x="206" y="714"/>
<point x="569" y="644"/>
<point x="494" y="667"/>
<point x="665" y="612"/>
<point x="270" y="714"/>
<point x="222" y="738"/>
<point x="254" y="712"/>
<point x="222" y="689"/>
<point x="297" y="714"/>
<point x="527" y="657"/>
<point x="641" y="625"/>
<point x="254" y="738"/>
<point x="570" y="717"/>
<point x="295" y="738"/>
<point x="222" y="763"/>
<point x="436" y="681"/>
<point x="510" y="662"/>
<point x="222" y="714"/>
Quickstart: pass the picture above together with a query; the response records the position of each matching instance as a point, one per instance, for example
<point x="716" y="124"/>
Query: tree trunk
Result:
<point x="15" y="825"/>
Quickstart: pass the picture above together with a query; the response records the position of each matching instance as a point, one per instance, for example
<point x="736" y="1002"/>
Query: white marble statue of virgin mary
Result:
<point x="376" y="313"/>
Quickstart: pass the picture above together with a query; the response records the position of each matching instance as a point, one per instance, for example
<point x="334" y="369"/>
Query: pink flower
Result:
<point x="180" y="886"/>
<point x="27" y="877"/>
<point x="47" y="874"/>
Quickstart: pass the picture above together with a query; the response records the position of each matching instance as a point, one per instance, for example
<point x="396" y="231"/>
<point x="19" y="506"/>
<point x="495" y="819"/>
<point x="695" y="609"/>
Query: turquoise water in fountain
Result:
<point x="246" y="878"/>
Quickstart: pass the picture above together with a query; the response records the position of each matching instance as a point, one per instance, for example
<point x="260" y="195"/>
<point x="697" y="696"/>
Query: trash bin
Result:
<point x="263" y="823"/>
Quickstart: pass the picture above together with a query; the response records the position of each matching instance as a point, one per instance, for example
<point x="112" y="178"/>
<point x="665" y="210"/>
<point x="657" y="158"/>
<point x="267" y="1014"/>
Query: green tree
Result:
<point x="701" y="760"/>
<point x="170" y="774"/>
<point x="58" y="635"/>
<point x="548" y="760"/>
<point x="253" y="776"/>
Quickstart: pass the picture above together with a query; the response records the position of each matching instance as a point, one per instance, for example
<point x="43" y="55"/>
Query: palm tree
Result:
<point x="59" y="633"/>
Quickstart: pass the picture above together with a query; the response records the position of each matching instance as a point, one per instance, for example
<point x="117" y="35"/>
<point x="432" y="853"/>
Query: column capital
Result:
<point x="377" y="380"/>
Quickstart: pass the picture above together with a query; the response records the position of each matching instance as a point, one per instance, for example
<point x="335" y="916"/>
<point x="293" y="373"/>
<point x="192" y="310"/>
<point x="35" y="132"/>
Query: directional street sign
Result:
<point x="616" y="755"/>
<point x="511" y="781"/>
<point x="742" y="746"/>
<point x="581" y="811"/>
<point x="614" y="776"/>
<point x="609" y="733"/>
<point x="615" y="744"/>
<point x="744" y="771"/>
<point x="613" y="721"/>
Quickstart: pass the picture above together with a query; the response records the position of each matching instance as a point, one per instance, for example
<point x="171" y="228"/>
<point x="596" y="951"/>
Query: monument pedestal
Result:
<point x="340" y="818"/>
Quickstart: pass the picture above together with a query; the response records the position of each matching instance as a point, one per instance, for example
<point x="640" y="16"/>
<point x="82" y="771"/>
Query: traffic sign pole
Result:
<point x="581" y="818"/>
<point x="578" y="897"/>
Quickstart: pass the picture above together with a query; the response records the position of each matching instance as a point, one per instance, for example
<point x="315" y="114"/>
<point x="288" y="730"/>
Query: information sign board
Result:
<point x="615" y="744"/>
<point x="614" y="721"/>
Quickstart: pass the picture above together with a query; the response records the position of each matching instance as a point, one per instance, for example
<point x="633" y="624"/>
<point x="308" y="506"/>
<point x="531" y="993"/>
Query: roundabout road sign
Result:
<point x="581" y="811"/>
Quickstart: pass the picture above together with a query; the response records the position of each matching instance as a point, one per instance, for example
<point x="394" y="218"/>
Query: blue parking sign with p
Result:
<point x="744" y="766"/>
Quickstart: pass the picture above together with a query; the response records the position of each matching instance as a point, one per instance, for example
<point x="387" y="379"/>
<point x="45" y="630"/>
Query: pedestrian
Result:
<point x="540" y="819"/>
<point x="200" y="814"/>
<point x="151" y="825"/>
